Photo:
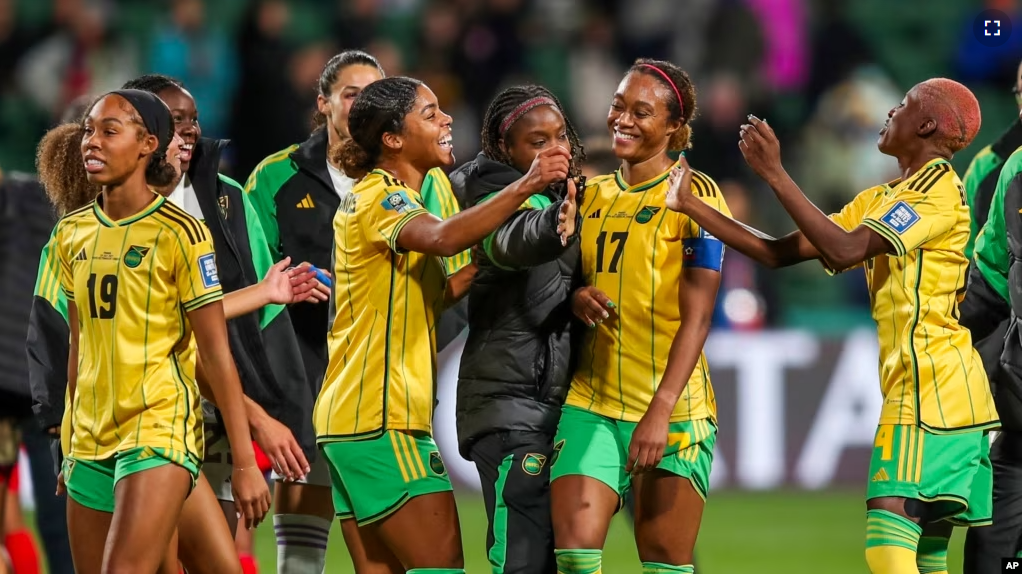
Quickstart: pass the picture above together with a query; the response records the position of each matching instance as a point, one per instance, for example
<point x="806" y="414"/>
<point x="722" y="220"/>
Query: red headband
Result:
<point x="522" y="109"/>
<point x="681" y="106"/>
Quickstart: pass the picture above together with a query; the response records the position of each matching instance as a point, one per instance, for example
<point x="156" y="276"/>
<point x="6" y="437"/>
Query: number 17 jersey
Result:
<point x="634" y="250"/>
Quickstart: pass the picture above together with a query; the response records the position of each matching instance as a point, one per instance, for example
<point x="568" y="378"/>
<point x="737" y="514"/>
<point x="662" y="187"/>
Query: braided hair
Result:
<point x="680" y="88"/>
<point x="334" y="67"/>
<point x="153" y="83"/>
<point x="380" y="108"/>
<point x="501" y="109"/>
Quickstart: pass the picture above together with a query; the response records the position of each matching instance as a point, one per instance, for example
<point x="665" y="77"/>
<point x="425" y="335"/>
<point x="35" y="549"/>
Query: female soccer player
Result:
<point x="640" y="411"/>
<point x="930" y="467"/>
<point x="296" y="193"/>
<point x="515" y="370"/>
<point x="260" y="330"/>
<point x="203" y="546"/>
<point x="373" y="417"/>
<point x="140" y="437"/>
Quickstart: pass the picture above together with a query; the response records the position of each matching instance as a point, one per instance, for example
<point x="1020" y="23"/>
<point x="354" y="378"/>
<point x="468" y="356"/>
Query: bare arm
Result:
<point x="459" y="283"/>
<point x="447" y="237"/>
<point x="697" y="292"/>
<point x="841" y="249"/>
<point x="210" y="330"/>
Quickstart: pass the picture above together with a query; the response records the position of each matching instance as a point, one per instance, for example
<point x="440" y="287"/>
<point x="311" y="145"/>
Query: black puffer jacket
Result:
<point x="516" y="365"/>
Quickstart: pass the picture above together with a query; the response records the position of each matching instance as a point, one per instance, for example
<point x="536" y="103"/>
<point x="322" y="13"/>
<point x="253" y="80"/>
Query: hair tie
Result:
<point x="522" y="109"/>
<point x="678" y="94"/>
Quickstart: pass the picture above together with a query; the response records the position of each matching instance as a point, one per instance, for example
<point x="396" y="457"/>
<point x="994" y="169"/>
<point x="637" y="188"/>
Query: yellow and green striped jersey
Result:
<point x="133" y="282"/>
<point x="931" y="376"/>
<point x="634" y="250"/>
<point x="439" y="199"/>
<point x="382" y="340"/>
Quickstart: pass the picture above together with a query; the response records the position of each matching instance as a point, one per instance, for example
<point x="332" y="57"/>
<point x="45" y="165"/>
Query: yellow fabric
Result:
<point x="931" y="376"/>
<point x="439" y="199"/>
<point x="891" y="560"/>
<point x="382" y="338"/>
<point x="133" y="282"/>
<point x="632" y="251"/>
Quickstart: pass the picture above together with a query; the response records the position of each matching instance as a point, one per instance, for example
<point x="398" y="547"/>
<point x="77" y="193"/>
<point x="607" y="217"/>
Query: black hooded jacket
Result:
<point x="516" y="365"/>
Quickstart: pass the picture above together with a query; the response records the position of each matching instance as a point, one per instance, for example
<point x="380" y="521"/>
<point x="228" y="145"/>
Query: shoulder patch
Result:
<point x="208" y="270"/>
<point x="398" y="201"/>
<point x="900" y="217"/>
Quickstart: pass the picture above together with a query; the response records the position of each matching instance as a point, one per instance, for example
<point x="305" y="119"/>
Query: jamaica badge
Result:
<point x="436" y="464"/>
<point x="133" y="258"/>
<point x="646" y="214"/>
<point x="533" y="463"/>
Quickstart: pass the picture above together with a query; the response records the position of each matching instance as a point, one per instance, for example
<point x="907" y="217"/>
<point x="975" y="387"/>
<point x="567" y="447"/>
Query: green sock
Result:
<point x="578" y="561"/>
<point x="659" y="568"/>
<point x="932" y="555"/>
<point x="888" y="529"/>
<point x="436" y="571"/>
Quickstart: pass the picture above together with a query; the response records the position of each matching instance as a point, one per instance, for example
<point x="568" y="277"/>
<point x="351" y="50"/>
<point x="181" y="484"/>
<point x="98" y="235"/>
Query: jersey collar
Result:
<point x="97" y="208"/>
<point x="643" y="186"/>
<point x="936" y="161"/>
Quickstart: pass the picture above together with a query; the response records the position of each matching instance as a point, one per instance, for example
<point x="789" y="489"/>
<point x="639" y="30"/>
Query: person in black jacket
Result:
<point x="991" y="311"/>
<point x="515" y="369"/>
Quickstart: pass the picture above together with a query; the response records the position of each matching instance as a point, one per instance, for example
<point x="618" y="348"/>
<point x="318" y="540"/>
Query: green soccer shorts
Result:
<point x="596" y="446"/>
<point x="951" y="472"/>
<point x="91" y="482"/>
<point x="373" y="478"/>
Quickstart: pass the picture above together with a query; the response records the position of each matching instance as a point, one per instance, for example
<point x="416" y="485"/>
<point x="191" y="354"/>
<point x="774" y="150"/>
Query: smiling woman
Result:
<point x="126" y="140"/>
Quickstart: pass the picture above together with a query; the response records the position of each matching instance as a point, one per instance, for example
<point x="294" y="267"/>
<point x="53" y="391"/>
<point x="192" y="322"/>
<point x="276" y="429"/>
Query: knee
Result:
<point x="656" y="547"/>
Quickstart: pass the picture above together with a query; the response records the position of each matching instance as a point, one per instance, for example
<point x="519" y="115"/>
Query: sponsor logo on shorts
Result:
<point x="533" y="463"/>
<point x="437" y="464"/>
<point x="647" y="213"/>
<point x="557" y="451"/>
<point x="880" y="476"/>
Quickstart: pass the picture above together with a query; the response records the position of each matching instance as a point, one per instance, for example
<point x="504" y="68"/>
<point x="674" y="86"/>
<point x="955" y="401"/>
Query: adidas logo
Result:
<point x="880" y="476"/>
<point x="81" y="255"/>
<point x="306" y="203"/>
<point x="594" y="215"/>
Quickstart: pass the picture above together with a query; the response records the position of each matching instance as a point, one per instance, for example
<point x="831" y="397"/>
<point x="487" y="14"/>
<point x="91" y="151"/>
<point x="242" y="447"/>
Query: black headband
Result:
<point x="155" y="116"/>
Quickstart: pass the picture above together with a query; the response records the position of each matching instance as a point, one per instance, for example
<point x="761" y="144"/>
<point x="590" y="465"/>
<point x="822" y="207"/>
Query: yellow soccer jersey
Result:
<point x="931" y="376"/>
<point x="381" y="371"/>
<point x="634" y="250"/>
<point x="133" y="281"/>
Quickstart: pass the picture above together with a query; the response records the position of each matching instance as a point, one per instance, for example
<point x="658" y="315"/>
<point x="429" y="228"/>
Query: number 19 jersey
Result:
<point x="634" y="250"/>
<point x="132" y="282"/>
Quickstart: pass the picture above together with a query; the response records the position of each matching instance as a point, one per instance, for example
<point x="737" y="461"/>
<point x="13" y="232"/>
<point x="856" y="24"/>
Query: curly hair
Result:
<point x="153" y="83"/>
<point x="680" y="86"/>
<point x="61" y="170"/>
<point x="334" y="67"/>
<point x="380" y="108"/>
<point x="500" y="110"/>
<point x="955" y="110"/>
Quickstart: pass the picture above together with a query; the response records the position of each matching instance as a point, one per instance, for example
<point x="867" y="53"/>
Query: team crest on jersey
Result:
<point x="136" y="253"/>
<point x="647" y="213"/>
<point x="900" y="217"/>
<point x="437" y="464"/>
<point x="223" y="200"/>
<point x="533" y="463"/>
<point x="557" y="452"/>
<point x="208" y="270"/>
<point x="399" y="202"/>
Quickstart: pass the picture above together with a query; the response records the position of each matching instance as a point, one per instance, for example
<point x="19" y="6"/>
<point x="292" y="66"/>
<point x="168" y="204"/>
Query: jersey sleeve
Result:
<point x="46" y="341"/>
<point x="981" y="165"/>
<point x="849" y="218"/>
<point x="261" y="192"/>
<point x="917" y="213"/>
<point x="700" y="249"/>
<point x="64" y="258"/>
<point x="386" y="212"/>
<point x="992" y="250"/>
<point x="439" y="199"/>
<point x="196" y="273"/>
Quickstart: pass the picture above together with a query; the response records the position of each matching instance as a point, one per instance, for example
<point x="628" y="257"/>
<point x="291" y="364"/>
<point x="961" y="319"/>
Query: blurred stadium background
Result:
<point x="793" y="354"/>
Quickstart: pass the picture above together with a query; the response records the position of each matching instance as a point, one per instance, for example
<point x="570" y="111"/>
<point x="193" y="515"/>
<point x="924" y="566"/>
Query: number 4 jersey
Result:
<point x="132" y="282"/>
<point x="634" y="250"/>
